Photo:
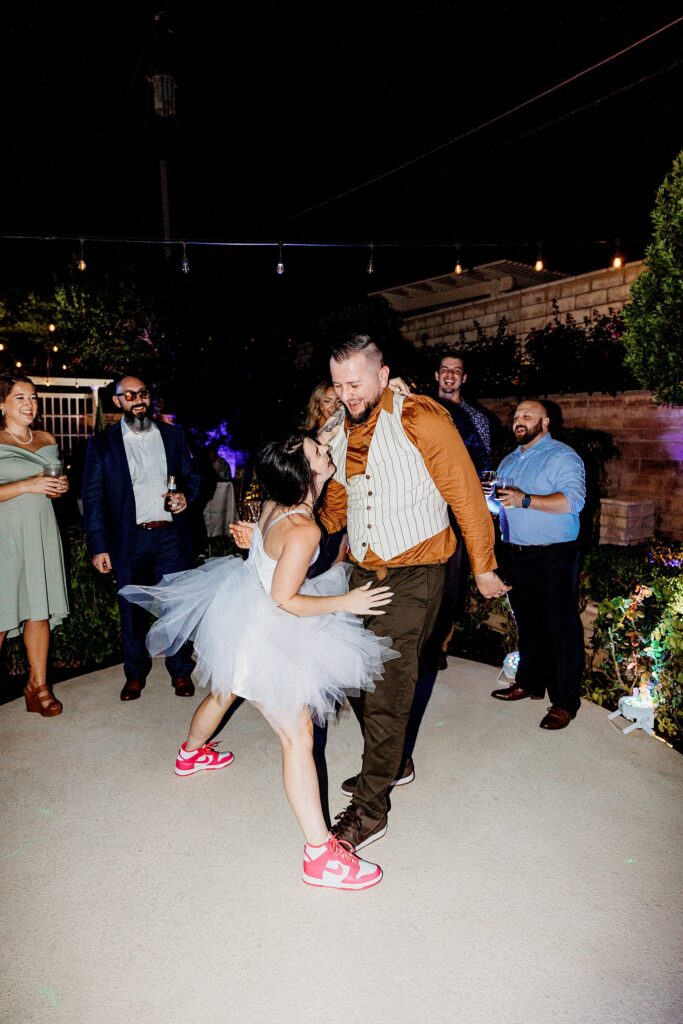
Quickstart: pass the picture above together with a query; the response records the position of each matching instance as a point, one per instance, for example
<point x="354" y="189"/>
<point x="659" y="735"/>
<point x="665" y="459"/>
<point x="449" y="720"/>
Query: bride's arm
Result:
<point x="290" y="572"/>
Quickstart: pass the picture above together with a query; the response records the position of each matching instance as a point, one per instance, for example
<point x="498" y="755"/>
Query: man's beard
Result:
<point x="529" y="433"/>
<point x="366" y="411"/>
<point x="138" y="422"/>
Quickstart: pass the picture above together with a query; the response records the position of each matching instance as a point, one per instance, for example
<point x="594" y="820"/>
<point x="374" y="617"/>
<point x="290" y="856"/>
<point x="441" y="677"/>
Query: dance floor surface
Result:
<point x="530" y="877"/>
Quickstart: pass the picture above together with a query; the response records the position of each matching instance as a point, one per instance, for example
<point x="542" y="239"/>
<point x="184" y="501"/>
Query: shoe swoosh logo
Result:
<point x="341" y="871"/>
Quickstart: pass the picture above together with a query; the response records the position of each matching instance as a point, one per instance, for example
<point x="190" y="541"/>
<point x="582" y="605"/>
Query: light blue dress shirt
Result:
<point x="546" y="467"/>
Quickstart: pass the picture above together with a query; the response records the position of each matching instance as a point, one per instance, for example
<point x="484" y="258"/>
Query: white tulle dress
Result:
<point x="245" y="644"/>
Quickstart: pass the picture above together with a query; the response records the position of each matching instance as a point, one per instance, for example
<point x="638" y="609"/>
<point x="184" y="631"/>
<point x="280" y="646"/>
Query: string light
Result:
<point x="371" y="265"/>
<point x="18" y="364"/>
<point x="617" y="259"/>
<point x="458" y="265"/>
<point x="280" y="264"/>
<point x="539" y="265"/>
<point x="52" y="328"/>
<point x="81" y="264"/>
<point x="185" y="263"/>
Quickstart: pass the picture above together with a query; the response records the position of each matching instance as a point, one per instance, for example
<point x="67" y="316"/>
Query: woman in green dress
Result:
<point x="33" y="596"/>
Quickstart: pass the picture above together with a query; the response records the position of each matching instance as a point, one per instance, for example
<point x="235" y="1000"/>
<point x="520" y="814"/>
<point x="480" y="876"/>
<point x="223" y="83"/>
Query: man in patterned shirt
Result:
<point x="450" y="377"/>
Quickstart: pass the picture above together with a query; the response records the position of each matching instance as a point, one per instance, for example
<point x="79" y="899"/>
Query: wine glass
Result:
<point x="502" y="483"/>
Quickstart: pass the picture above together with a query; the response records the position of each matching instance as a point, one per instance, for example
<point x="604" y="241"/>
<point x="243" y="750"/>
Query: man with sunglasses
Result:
<point x="128" y="528"/>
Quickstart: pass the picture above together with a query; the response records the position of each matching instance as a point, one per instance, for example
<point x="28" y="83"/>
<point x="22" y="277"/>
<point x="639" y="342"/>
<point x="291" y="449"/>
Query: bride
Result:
<point x="292" y="646"/>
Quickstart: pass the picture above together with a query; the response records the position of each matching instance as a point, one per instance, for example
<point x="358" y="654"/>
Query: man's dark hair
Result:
<point x="353" y="345"/>
<point x="455" y="355"/>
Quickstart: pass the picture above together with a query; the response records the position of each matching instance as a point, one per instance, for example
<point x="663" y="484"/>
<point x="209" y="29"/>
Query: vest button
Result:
<point x="367" y="476"/>
<point x="369" y="494"/>
<point x="363" y="545"/>
<point x="369" y="526"/>
<point x="368" y="507"/>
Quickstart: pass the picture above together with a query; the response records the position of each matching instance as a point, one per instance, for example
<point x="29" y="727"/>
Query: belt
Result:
<point x="535" y="547"/>
<point x="156" y="524"/>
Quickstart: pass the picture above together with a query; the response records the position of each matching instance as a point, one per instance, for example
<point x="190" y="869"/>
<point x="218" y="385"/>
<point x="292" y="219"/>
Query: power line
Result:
<point x="485" y="124"/>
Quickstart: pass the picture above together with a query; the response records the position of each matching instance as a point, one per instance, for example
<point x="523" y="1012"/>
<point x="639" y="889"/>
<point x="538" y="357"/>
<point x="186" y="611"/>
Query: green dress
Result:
<point x="31" y="558"/>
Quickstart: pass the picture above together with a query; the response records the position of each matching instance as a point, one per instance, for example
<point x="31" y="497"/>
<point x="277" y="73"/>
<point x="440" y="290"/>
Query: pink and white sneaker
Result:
<point x="334" y="865"/>
<point x="204" y="759"/>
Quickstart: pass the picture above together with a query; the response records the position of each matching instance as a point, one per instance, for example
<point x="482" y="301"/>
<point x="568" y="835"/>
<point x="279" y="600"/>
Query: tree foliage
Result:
<point x="654" y="316"/>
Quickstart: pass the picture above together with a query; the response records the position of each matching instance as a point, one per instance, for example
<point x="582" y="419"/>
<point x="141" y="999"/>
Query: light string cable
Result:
<point x="485" y="124"/>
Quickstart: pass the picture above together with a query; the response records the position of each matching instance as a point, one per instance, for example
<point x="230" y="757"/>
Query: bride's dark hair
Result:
<point x="284" y="472"/>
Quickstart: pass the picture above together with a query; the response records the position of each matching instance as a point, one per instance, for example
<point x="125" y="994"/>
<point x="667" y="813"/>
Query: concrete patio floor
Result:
<point x="529" y="876"/>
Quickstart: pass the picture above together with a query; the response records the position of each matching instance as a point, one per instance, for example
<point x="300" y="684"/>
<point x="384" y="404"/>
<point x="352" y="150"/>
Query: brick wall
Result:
<point x="527" y="308"/>
<point x="649" y="436"/>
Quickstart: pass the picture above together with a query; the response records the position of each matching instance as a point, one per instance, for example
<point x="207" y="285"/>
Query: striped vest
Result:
<point x="395" y="504"/>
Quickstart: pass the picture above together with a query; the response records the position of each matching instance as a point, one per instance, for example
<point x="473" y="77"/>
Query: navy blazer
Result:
<point x="108" y="498"/>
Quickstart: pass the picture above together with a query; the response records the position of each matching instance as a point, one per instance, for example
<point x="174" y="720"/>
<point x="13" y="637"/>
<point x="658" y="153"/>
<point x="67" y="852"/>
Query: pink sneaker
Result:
<point x="334" y="865"/>
<point x="205" y="759"/>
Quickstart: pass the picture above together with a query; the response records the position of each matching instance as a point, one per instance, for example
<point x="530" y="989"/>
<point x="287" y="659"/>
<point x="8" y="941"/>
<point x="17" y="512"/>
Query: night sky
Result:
<point x="281" y="106"/>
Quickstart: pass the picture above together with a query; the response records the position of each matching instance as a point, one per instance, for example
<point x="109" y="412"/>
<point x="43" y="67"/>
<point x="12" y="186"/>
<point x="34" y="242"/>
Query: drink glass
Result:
<point x="54" y="469"/>
<point x="251" y="510"/>
<point x="488" y="481"/>
<point x="502" y="483"/>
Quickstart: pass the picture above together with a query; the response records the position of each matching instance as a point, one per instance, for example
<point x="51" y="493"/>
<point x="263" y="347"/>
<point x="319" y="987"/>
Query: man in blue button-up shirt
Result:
<point x="539" y="513"/>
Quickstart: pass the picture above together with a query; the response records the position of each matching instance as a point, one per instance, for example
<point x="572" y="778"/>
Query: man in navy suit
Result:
<point x="127" y="527"/>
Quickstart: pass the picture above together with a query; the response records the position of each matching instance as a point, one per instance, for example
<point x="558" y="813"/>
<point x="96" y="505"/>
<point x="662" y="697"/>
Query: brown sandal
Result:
<point x="43" y="701"/>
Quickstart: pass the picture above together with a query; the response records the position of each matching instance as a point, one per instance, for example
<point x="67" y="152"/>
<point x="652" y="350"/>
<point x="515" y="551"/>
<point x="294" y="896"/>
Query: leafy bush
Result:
<point x="654" y="316"/>
<point x="565" y="356"/>
<point x="638" y="633"/>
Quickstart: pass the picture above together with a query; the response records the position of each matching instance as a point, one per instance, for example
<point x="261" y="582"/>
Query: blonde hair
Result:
<point x="314" y="412"/>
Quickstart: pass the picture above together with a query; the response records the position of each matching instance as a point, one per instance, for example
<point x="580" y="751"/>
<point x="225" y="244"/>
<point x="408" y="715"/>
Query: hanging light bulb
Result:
<point x="55" y="348"/>
<point x="280" y="264"/>
<point x="458" y="265"/>
<point x="539" y="265"/>
<point x="185" y="263"/>
<point x="18" y="364"/>
<point x="371" y="265"/>
<point x="617" y="259"/>
<point x="81" y="264"/>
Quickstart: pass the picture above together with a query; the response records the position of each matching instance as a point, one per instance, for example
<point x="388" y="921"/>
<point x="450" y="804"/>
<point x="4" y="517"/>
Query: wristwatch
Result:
<point x="526" y="501"/>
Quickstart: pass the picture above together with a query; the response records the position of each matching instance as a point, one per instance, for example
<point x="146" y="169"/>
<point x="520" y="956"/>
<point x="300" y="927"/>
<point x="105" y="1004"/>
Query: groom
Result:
<point x="400" y="465"/>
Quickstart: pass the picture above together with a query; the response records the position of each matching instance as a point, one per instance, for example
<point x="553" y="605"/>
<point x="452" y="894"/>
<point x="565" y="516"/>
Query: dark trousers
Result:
<point x="383" y="714"/>
<point x="544" y="598"/>
<point x="454" y="596"/>
<point x="157" y="552"/>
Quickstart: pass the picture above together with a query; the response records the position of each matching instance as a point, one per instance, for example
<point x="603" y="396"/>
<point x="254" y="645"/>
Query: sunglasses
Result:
<point x="130" y="395"/>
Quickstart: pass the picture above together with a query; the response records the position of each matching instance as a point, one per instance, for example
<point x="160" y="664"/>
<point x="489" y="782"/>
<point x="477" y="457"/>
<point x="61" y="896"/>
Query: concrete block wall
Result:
<point x="526" y="309"/>
<point x="650" y="439"/>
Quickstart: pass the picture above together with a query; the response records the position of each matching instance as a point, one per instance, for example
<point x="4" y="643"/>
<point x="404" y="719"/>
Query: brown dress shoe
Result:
<point x="183" y="687"/>
<point x="557" y="718"/>
<point x="132" y="689"/>
<point x="514" y="692"/>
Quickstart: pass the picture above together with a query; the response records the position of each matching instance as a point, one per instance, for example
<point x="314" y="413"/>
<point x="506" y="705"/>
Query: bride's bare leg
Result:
<point x="299" y="775"/>
<point x="206" y="720"/>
